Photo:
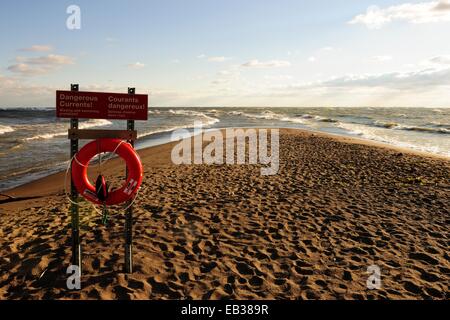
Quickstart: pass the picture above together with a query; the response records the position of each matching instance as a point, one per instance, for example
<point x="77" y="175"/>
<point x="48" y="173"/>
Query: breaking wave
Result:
<point x="83" y="125"/>
<point x="6" y="129"/>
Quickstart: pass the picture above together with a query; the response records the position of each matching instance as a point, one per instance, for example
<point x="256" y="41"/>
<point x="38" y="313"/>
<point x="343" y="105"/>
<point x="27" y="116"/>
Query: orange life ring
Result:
<point x="122" y="149"/>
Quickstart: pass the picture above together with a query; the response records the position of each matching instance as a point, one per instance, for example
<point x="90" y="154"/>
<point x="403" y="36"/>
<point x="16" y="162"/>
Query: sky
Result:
<point x="378" y="53"/>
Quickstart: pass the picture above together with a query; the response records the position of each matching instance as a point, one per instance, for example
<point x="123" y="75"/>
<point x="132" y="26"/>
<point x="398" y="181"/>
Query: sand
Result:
<point x="337" y="206"/>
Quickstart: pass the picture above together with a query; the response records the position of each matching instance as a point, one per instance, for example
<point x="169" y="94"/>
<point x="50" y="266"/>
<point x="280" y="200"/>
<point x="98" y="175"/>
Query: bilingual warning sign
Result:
<point x="101" y="105"/>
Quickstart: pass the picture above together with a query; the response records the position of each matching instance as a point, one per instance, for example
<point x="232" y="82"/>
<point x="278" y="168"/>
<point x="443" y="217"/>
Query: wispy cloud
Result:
<point x="39" y="65"/>
<point x="224" y="72"/>
<point x="7" y="82"/>
<point x="213" y="58"/>
<point x="425" y="12"/>
<point x="266" y="64"/>
<point x="37" y="48"/>
<point x="136" y="65"/>
<point x="327" y="49"/>
<point x="442" y="60"/>
<point x="25" y="69"/>
<point x="424" y="78"/>
<point x="220" y="81"/>
<point x="281" y="77"/>
<point x="51" y="59"/>
<point x="227" y="76"/>
<point x="218" y="59"/>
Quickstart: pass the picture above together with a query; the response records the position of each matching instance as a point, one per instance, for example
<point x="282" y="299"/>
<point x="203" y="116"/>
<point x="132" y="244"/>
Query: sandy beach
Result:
<point x="337" y="206"/>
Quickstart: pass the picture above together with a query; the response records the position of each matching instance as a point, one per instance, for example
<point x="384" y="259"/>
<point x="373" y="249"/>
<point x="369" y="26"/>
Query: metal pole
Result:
<point x="75" y="218"/>
<point x="129" y="213"/>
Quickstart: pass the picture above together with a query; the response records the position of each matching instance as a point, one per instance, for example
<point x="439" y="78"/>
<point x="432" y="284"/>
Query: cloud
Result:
<point x="136" y="65"/>
<point x="266" y="64"/>
<point x="221" y="81"/>
<point x="442" y="6"/>
<point x="227" y="76"/>
<point x="38" y="48"/>
<point x="424" y="87"/>
<point x="425" y="12"/>
<point x="25" y="69"/>
<point x="281" y="77"/>
<point x="7" y="82"/>
<point x="213" y="59"/>
<point x="39" y="65"/>
<point x="51" y="59"/>
<point x="218" y="59"/>
<point x="395" y="80"/>
<point x="17" y="92"/>
<point x="329" y="48"/>
<point x="443" y="60"/>
<point x="312" y="59"/>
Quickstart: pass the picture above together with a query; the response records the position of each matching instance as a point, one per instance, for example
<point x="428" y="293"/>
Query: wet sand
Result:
<point x="336" y="207"/>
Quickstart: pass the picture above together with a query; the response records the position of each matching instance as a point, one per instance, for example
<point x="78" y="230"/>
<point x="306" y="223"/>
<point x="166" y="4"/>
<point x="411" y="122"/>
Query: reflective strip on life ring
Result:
<point x="126" y="152"/>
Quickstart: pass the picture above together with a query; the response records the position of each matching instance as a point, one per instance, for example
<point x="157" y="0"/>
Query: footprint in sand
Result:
<point x="123" y="293"/>
<point x="411" y="287"/>
<point x="424" y="258"/>
<point x="244" y="269"/>
<point x="185" y="277"/>
<point x="163" y="288"/>
<point x="256" y="281"/>
<point x="94" y="294"/>
<point x="207" y="267"/>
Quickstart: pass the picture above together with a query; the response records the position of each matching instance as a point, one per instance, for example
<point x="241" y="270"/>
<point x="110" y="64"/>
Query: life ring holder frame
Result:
<point x="74" y="135"/>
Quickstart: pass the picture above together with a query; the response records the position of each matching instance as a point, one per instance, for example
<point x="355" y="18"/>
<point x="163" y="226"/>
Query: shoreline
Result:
<point x="54" y="179"/>
<point x="378" y="144"/>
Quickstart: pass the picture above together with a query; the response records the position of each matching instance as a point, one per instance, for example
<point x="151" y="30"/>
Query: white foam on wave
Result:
<point x="316" y="118"/>
<point x="284" y="118"/>
<point x="355" y="129"/>
<point x="207" y="123"/>
<point x="293" y="120"/>
<point x="83" y="125"/>
<point x="385" y="135"/>
<point x="209" y="120"/>
<point x="5" y="129"/>
<point x="186" y="112"/>
<point x="424" y="129"/>
<point x="9" y="109"/>
<point x="269" y="115"/>
<point x="300" y="119"/>
<point x="162" y="130"/>
<point x="396" y="126"/>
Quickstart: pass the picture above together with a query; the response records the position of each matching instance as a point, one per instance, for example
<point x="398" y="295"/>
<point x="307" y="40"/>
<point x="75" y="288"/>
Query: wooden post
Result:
<point x="75" y="218"/>
<point x="129" y="213"/>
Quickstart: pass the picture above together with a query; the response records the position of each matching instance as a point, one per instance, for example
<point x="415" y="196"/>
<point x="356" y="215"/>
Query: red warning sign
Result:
<point x="101" y="105"/>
